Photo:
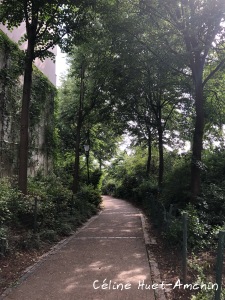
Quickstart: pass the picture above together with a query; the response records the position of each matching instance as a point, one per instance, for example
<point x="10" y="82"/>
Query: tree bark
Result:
<point x="24" y="122"/>
<point x="161" y="157"/>
<point x="197" y="139"/>
<point x="148" y="168"/>
<point x="160" y="148"/>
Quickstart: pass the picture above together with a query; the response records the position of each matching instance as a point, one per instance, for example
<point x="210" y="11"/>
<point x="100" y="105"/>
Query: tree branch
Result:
<point x="220" y="65"/>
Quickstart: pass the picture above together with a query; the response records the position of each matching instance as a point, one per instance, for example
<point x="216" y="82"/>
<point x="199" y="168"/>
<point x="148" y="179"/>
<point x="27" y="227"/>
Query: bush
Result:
<point x="176" y="189"/>
<point x="126" y="189"/>
<point x="49" y="209"/>
<point x="8" y="201"/>
<point x="155" y="210"/>
<point x="29" y="241"/>
<point x="96" y="179"/>
<point x="204" y="294"/>
<point x="64" y="229"/>
<point x="89" y="195"/>
<point x="200" y="234"/>
<point x="53" y="200"/>
<point x="49" y="235"/>
<point x="211" y="204"/>
<point x="145" y="191"/>
<point x="109" y="188"/>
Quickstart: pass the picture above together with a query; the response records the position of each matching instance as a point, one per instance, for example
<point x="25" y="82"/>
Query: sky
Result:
<point x="61" y="66"/>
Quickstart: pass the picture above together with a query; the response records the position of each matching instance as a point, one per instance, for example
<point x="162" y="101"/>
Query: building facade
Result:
<point x="47" y="67"/>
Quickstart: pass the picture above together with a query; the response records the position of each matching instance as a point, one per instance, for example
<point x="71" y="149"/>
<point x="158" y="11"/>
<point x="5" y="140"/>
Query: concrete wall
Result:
<point x="10" y="96"/>
<point x="47" y="67"/>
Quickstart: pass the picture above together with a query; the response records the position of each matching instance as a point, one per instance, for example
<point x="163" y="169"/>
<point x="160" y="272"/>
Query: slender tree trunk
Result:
<point x="76" y="176"/>
<point x="161" y="156"/>
<point x="24" y="122"/>
<point x="160" y="147"/>
<point x="2" y="133"/>
<point x="197" y="139"/>
<point x="2" y="116"/>
<point x="149" y="154"/>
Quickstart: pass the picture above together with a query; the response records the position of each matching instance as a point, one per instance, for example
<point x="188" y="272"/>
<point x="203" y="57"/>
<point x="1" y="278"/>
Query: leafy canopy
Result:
<point x="46" y="21"/>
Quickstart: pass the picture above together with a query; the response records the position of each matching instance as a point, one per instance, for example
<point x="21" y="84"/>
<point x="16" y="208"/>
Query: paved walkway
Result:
<point x="106" y="259"/>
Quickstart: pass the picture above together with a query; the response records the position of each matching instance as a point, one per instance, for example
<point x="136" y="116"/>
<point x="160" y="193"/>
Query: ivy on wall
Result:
<point x="13" y="60"/>
<point x="41" y="110"/>
<point x="42" y="121"/>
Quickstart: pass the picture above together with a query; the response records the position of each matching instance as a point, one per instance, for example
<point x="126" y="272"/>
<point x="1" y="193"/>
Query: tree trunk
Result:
<point x="161" y="156"/>
<point x="197" y="140"/>
<point x="2" y="133"/>
<point x="24" y="122"/>
<point x="149" y="154"/>
<point x="76" y="176"/>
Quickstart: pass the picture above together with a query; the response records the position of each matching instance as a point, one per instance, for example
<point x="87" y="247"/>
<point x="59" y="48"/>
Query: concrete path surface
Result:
<point x="106" y="259"/>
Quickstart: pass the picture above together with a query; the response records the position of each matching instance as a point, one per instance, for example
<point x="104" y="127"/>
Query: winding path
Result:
<point x="105" y="259"/>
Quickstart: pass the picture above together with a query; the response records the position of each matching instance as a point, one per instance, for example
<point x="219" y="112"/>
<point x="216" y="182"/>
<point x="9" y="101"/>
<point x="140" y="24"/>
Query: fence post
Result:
<point x="219" y="264"/>
<point x="184" y="252"/>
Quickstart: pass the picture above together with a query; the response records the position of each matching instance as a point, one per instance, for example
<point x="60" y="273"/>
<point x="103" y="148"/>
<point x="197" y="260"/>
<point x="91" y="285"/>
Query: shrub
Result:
<point x="29" y="241"/>
<point x="211" y="204"/>
<point x="173" y="232"/>
<point x="200" y="234"/>
<point x="204" y="294"/>
<point x="90" y="195"/>
<point x="49" y="209"/>
<point x="49" y="235"/>
<point x="145" y="191"/>
<point x="83" y="210"/>
<point x="96" y="179"/>
<point x="53" y="199"/>
<point x="109" y="188"/>
<point x="197" y="230"/>
<point x="8" y="201"/>
<point x="126" y="189"/>
<point x="176" y="188"/>
<point x="64" y="229"/>
<point x="76" y="218"/>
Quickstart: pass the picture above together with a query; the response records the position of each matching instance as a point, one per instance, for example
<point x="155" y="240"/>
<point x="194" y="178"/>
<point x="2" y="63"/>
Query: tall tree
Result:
<point x="46" y="23"/>
<point x="89" y="77"/>
<point x="195" y="32"/>
<point x="147" y="91"/>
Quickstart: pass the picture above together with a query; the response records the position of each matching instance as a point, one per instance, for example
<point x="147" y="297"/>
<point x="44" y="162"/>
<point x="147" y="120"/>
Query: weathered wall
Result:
<point x="41" y="113"/>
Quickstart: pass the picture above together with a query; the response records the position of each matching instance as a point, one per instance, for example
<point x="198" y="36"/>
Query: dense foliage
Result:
<point x="48" y="211"/>
<point x="150" y="73"/>
<point x="125" y="178"/>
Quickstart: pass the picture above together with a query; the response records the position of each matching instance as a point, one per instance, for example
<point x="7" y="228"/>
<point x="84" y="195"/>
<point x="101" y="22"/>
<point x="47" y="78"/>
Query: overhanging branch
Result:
<point x="220" y="65"/>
